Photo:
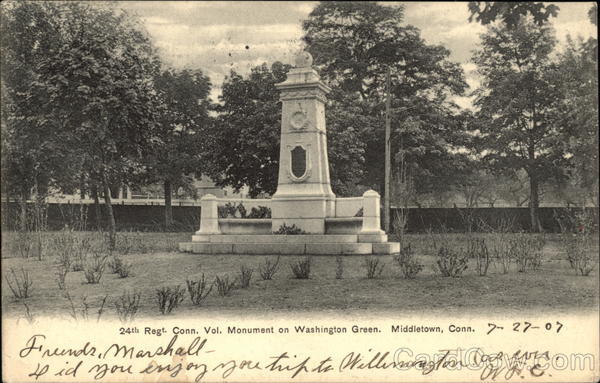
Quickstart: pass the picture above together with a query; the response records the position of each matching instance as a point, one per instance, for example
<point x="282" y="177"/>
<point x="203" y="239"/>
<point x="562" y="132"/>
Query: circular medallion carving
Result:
<point x="298" y="120"/>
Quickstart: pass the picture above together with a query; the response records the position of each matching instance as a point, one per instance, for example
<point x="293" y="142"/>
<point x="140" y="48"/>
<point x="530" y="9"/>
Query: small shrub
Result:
<point x="169" y="298"/>
<point x="519" y="254"/>
<point x="260" y="212"/>
<point x="477" y="249"/>
<point x="82" y="248"/>
<point x="536" y="245"/>
<point x="94" y="267"/>
<point x="224" y="286"/>
<point x="197" y="289"/>
<point x="339" y="267"/>
<point x="502" y="255"/>
<point x="64" y="262"/>
<point x="580" y="254"/>
<point x="125" y="270"/>
<point x="301" y="269"/>
<point x="289" y="230"/>
<point x="120" y="267"/>
<point x="20" y="285"/>
<point x="61" y="275"/>
<point x="374" y="267"/>
<point x="127" y="305"/>
<point x="24" y="244"/>
<point x="408" y="263"/>
<point x="527" y="251"/>
<point x="114" y="264"/>
<point x="83" y="313"/>
<point x="268" y="269"/>
<point x="451" y="263"/>
<point x="63" y="244"/>
<point x="245" y="276"/>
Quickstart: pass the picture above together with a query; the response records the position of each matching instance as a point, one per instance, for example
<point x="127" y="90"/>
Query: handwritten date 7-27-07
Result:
<point x="527" y="326"/>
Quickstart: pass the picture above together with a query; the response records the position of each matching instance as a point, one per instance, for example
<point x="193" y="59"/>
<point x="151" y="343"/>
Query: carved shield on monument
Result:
<point x="298" y="161"/>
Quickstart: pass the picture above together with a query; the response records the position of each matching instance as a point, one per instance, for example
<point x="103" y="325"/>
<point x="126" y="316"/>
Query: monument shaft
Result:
<point x="304" y="197"/>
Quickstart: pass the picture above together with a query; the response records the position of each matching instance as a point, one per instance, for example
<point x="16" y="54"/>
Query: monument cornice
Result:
<point x="305" y="91"/>
<point x="317" y="85"/>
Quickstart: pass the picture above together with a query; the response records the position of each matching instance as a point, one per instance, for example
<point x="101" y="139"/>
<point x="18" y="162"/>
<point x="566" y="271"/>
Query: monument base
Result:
<point x="301" y="244"/>
<point x="353" y="230"/>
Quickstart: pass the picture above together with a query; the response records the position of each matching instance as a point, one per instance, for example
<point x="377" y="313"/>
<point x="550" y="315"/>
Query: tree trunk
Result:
<point x="38" y="219"/>
<point x="23" y="219"/>
<point x="168" y="207"/>
<point x="97" y="208"/>
<point x="534" y="204"/>
<point x="82" y="211"/>
<point x="112" y="230"/>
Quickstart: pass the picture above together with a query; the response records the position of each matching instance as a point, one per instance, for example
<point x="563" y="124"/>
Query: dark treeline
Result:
<point x="420" y="220"/>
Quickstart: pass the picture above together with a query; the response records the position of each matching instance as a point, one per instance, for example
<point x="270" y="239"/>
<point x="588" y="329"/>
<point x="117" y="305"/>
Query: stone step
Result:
<point x="276" y="238"/>
<point x="291" y="248"/>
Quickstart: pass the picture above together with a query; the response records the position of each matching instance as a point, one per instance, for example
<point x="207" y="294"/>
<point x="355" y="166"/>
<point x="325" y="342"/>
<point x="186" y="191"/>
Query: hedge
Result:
<point x="187" y="218"/>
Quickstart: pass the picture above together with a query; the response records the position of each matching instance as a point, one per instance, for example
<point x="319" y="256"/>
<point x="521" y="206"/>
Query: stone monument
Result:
<point x="304" y="198"/>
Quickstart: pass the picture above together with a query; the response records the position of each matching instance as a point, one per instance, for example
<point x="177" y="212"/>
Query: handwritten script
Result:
<point x="197" y="359"/>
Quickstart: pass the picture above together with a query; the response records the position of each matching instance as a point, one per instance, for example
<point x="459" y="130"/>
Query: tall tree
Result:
<point x="34" y="154"/>
<point x="183" y="122"/>
<point x="354" y="44"/>
<point x="94" y="92"/>
<point x="577" y="78"/>
<point x="517" y="104"/>
<point x="243" y="144"/>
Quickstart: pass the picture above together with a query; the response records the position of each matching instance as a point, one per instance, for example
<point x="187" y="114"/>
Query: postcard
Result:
<point x="199" y="191"/>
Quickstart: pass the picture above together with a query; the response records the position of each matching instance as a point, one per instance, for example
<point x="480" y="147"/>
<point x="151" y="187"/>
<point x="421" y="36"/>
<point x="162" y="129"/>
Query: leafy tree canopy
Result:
<point x="86" y="90"/>
<point x="510" y="13"/>
<point x="98" y="85"/>
<point x="517" y="104"/>
<point x="31" y="152"/>
<point x="183" y="121"/>
<point x="577" y="79"/>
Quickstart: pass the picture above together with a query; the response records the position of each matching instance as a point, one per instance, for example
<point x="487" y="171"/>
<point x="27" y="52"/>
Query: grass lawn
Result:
<point x="554" y="287"/>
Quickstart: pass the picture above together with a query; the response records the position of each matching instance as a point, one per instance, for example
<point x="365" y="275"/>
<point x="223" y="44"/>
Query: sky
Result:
<point x="217" y="37"/>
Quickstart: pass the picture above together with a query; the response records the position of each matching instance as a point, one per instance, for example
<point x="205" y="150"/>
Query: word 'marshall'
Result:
<point x="35" y="344"/>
